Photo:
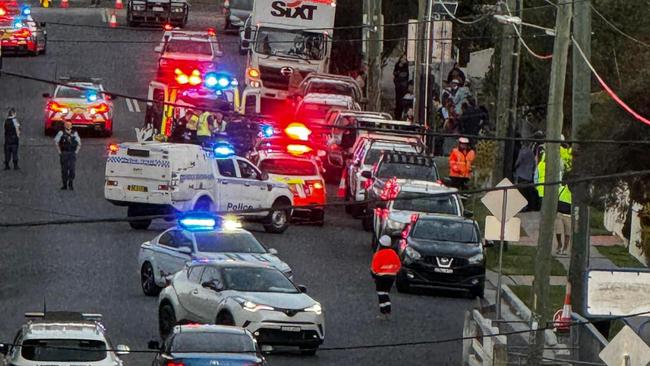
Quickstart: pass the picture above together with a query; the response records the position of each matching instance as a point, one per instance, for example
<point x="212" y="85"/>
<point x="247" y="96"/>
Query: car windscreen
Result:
<point x="63" y="350"/>
<point x="227" y="242"/>
<point x="445" y="230"/>
<point x="252" y="279"/>
<point x="288" y="167"/>
<point x="290" y="43"/>
<point x="241" y="4"/>
<point x="212" y="342"/>
<point x="329" y="88"/>
<point x="375" y="153"/>
<point x="407" y="171"/>
<point x="189" y="47"/>
<point x="422" y="202"/>
<point x="313" y="110"/>
<point x="65" y="92"/>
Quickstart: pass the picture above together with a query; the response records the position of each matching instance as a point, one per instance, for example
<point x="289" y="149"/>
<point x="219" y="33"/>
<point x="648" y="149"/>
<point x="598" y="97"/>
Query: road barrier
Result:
<point x="486" y="348"/>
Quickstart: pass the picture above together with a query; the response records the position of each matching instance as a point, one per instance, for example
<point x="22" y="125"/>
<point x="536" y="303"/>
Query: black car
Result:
<point x="206" y="345"/>
<point x="442" y="252"/>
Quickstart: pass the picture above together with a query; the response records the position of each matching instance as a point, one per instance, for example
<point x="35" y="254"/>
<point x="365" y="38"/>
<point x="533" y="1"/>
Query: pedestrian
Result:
<point x="192" y="124"/>
<point x="401" y="80"/>
<point x="470" y="120"/>
<point x="178" y="130"/>
<point x="457" y="74"/>
<point x="68" y="144"/>
<point x="361" y="78"/>
<point x="203" y="132"/>
<point x="384" y="267"/>
<point x="525" y="173"/>
<point x="460" y="163"/>
<point x="563" y="220"/>
<point x="406" y="103"/>
<point x="12" y="139"/>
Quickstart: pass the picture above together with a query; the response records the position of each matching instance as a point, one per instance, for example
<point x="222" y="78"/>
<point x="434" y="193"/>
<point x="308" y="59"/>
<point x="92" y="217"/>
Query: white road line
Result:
<point x="128" y="104"/>
<point x="104" y="16"/>
<point x="136" y="106"/>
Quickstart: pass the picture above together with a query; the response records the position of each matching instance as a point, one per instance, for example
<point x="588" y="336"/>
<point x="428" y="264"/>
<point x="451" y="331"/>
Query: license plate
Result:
<point x="443" y="270"/>
<point x="137" y="188"/>
<point x="290" y="329"/>
<point x="158" y="8"/>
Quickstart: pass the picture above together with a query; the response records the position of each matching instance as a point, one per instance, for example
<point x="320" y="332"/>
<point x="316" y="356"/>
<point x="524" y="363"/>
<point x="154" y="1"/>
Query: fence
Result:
<point x="587" y="342"/>
<point x="481" y="350"/>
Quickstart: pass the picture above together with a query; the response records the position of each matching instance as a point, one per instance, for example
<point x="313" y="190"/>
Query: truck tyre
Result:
<point x="134" y="211"/>
<point x="278" y="220"/>
<point x="148" y="280"/>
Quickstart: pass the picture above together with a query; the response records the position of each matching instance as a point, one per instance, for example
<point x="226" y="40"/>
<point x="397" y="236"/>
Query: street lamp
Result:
<point x="509" y="19"/>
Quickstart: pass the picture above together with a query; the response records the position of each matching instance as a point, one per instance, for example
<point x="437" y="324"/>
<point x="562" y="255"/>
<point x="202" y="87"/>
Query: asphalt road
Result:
<point x="93" y="267"/>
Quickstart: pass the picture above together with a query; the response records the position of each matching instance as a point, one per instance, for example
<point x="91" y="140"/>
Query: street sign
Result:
<point x="515" y="202"/>
<point x="626" y="344"/>
<point x="411" y="41"/>
<point x="510" y="232"/>
<point x="617" y="292"/>
<point x="442" y="45"/>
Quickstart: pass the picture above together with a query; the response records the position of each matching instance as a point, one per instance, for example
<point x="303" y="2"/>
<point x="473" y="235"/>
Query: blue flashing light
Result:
<point x="198" y="222"/>
<point x="224" y="81"/>
<point x="26" y="10"/>
<point x="211" y="80"/>
<point x="267" y="131"/>
<point x="214" y="80"/>
<point x="223" y="151"/>
<point x="91" y="96"/>
<point x="18" y="24"/>
<point x="234" y="82"/>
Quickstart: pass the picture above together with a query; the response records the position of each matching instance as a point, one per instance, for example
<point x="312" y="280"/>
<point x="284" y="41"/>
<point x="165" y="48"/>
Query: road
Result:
<point x="93" y="267"/>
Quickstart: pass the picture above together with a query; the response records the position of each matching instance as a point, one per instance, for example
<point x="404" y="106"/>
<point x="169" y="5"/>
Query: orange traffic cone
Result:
<point x="342" y="188"/>
<point x="562" y="318"/>
<point x="64" y="3"/>
<point x="119" y="4"/>
<point x="113" y="22"/>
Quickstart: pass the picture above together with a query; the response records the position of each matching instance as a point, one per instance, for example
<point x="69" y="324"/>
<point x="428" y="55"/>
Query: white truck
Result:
<point x="154" y="178"/>
<point x="291" y="36"/>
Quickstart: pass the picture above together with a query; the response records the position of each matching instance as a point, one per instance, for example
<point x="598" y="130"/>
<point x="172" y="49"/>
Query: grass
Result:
<point x="518" y="260"/>
<point x="619" y="256"/>
<point x="524" y="293"/>
<point x="596" y="222"/>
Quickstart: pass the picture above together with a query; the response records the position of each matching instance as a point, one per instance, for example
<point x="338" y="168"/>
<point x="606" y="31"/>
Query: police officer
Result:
<point x="203" y="132"/>
<point x="12" y="137"/>
<point x="68" y="144"/>
<point x="384" y="267"/>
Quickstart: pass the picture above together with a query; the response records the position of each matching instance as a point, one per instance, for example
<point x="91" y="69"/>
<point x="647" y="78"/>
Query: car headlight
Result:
<point x="138" y="7"/>
<point x="253" y="307"/>
<point x="412" y="253"/>
<point x="477" y="258"/>
<point x="177" y="9"/>
<point x="394" y="225"/>
<point x="316" y="308"/>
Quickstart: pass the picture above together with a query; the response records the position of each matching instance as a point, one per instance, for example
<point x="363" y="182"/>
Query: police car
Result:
<point x="153" y="178"/>
<point x="81" y="101"/>
<point x="21" y="33"/>
<point x="62" y="338"/>
<point x="199" y="237"/>
<point x="186" y="51"/>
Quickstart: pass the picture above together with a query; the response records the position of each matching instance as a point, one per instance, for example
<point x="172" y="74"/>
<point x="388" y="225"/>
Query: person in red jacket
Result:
<point x="384" y="267"/>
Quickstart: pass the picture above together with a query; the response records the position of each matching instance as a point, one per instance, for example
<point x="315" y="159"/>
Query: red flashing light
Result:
<point x="113" y="149"/>
<point x="100" y="108"/>
<point x="22" y="33"/>
<point x="391" y="190"/>
<point x="318" y="185"/>
<point x="298" y="131"/>
<point x="414" y="218"/>
<point x="3" y="12"/>
<point x="168" y="27"/>
<point x="56" y="107"/>
<point x="212" y="32"/>
<point x="294" y="149"/>
<point x="193" y="79"/>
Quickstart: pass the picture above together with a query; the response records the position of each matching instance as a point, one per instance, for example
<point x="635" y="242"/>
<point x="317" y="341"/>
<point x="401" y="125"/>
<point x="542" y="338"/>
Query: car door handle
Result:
<point x="195" y="292"/>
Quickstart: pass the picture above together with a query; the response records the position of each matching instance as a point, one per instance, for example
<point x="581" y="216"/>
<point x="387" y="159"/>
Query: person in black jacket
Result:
<point x="12" y="138"/>
<point x="401" y="80"/>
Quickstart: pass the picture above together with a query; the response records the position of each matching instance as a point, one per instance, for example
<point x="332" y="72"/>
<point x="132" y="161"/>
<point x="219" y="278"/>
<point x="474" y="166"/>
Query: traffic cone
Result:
<point x="113" y="22"/>
<point x="341" y="192"/>
<point x="562" y="317"/>
<point x="64" y="3"/>
<point x="119" y="4"/>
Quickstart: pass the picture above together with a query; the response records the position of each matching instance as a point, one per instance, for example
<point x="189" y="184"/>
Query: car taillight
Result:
<point x="100" y="108"/>
<point x="113" y="149"/>
<point x="212" y="32"/>
<point x="174" y="363"/>
<point x="56" y="107"/>
<point x="22" y="33"/>
<point x="315" y="184"/>
<point x="111" y="183"/>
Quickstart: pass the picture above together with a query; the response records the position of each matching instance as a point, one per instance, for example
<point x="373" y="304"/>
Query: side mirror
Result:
<point x="158" y="49"/>
<point x="185" y="250"/>
<point x="155" y="345"/>
<point x="273" y="251"/>
<point x="121" y="349"/>
<point x="366" y="174"/>
<point x="264" y="176"/>
<point x="468" y="214"/>
<point x="4" y="349"/>
<point x="47" y="95"/>
<point x="302" y="288"/>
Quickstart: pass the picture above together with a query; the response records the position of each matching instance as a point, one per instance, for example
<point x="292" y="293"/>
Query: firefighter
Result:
<point x="384" y="267"/>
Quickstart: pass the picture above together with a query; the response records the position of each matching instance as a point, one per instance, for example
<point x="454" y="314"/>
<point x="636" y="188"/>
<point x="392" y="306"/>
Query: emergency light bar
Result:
<point x="3" y="12"/>
<point x="267" y="131"/>
<point x="222" y="150"/>
<point x="91" y="95"/>
<point x="298" y="131"/>
<point x="194" y="221"/>
<point x="26" y="10"/>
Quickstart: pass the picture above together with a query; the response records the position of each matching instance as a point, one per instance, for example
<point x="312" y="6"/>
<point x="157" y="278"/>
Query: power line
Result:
<point x="589" y="179"/>
<point x="612" y="25"/>
<point x="461" y="21"/>
<point x="521" y="40"/>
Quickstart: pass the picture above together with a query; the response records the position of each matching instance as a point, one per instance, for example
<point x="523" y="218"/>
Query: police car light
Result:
<point x="230" y="224"/>
<point x="197" y="222"/>
<point x="297" y="131"/>
<point x="3" y="12"/>
<point x="224" y="82"/>
<point x="234" y="82"/>
<point x="26" y="10"/>
<point x="223" y="151"/>
<point x="267" y="131"/>
<point x="91" y="96"/>
<point x="113" y="148"/>
<point x="18" y="24"/>
<point x="211" y="80"/>
<point x="298" y="149"/>
<point x="168" y="27"/>
<point x="195" y="78"/>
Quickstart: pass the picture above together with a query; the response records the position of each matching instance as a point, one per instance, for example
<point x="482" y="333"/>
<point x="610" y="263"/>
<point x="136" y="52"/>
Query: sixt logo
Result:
<point x="293" y="9"/>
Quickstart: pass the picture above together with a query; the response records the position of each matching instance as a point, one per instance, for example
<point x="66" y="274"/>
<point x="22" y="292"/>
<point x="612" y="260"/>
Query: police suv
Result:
<point x="154" y="178"/>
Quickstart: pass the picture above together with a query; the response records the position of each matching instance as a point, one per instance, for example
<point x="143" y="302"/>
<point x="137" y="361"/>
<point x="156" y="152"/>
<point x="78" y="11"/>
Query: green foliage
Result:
<point x="619" y="256"/>
<point x="525" y="294"/>
<point x="518" y="260"/>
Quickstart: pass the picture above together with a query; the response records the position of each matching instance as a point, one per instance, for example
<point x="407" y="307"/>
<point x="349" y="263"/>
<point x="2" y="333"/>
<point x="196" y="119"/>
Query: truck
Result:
<point x="292" y="38"/>
<point x="158" y="178"/>
<point x="167" y="12"/>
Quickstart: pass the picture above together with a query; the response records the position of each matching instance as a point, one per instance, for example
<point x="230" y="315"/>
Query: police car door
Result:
<point x="254" y="189"/>
<point x="170" y="253"/>
<point x="228" y="187"/>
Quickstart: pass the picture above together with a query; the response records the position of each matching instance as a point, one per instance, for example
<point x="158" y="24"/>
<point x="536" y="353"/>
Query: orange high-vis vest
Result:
<point x="460" y="165"/>
<point x="385" y="262"/>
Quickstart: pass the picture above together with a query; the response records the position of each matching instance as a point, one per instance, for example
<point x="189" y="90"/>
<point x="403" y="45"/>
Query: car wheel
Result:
<point x="401" y="283"/>
<point x="225" y="318"/>
<point x="318" y="217"/>
<point x="479" y="290"/>
<point x="166" y="320"/>
<point x="278" y="219"/>
<point x="148" y="280"/>
<point x="308" y="351"/>
<point x="133" y="211"/>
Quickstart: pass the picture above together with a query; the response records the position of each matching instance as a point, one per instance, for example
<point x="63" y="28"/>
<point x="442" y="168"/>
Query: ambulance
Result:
<point x="158" y="178"/>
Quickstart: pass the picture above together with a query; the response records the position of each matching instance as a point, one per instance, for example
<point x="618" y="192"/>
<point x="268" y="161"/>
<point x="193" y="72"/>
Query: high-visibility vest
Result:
<point x="540" y="175"/>
<point x="566" y="154"/>
<point x="203" y="128"/>
<point x="565" y="194"/>
<point x="385" y="262"/>
<point x="192" y="122"/>
<point x="460" y="164"/>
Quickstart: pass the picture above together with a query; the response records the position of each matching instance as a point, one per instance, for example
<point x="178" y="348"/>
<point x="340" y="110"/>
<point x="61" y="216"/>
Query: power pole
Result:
<point x="581" y="112"/>
<point x="375" y="20"/>
<point x="554" y="121"/>
<point x="504" y="94"/>
<point x="418" y="84"/>
<point x="509" y="151"/>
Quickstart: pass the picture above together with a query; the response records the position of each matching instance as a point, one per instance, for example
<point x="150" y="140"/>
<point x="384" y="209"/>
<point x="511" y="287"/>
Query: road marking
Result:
<point x="128" y="104"/>
<point x="104" y="19"/>
<point x="132" y="105"/>
<point x="136" y="106"/>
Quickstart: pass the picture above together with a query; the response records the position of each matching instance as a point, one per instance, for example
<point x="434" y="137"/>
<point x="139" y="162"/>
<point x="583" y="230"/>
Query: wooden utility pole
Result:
<point x="504" y="93"/>
<point x="418" y="84"/>
<point x="554" y="121"/>
<point x="581" y="114"/>
<point x="375" y="20"/>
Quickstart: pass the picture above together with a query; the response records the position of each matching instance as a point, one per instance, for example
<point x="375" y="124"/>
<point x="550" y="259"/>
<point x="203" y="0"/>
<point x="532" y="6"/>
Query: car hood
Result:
<point x="444" y="248"/>
<point x="296" y="301"/>
<point x="207" y="359"/>
<point x="264" y="258"/>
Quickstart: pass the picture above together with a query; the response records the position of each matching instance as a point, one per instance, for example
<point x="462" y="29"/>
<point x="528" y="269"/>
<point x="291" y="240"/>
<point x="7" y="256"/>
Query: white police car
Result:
<point x="62" y="338"/>
<point x="154" y="178"/>
<point x="200" y="237"/>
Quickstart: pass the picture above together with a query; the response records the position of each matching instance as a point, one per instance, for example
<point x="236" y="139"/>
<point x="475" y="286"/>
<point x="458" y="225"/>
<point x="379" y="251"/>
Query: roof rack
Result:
<point x="66" y="316"/>
<point x="396" y="157"/>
